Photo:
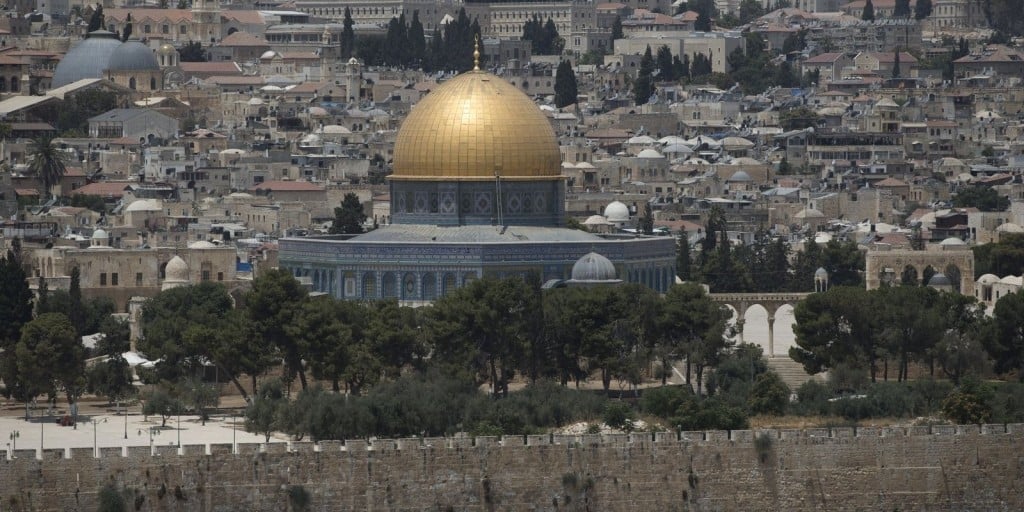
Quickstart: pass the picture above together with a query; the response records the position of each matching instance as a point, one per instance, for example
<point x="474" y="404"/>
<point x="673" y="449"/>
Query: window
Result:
<point x="165" y="29"/>
<point x="103" y="279"/>
<point x="113" y="279"/>
<point x="220" y="276"/>
<point x="138" y="279"/>
<point x="147" y="29"/>
<point x="206" y="275"/>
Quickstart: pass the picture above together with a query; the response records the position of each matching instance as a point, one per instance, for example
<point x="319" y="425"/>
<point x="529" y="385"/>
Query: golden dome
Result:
<point x="472" y="127"/>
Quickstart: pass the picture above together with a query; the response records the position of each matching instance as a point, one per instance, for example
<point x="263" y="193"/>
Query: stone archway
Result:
<point x="879" y="264"/>
<point x="771" y="302"/>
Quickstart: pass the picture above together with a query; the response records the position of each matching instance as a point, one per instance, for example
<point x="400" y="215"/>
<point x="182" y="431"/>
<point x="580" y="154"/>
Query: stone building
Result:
<point x="477" y="191"/>
<point x="120" y="274"/>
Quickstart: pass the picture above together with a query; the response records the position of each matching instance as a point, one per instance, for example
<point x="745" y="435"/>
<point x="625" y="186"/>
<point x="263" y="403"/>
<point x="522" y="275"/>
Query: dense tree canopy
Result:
<point x="983" y="198"/>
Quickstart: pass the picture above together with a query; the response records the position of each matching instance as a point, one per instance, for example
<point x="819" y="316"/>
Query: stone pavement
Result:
<point x="110" y="431"/>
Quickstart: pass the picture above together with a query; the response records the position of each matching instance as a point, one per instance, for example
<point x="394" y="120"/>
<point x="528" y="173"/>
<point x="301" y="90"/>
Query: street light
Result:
<point x="234" y="445"/>
<point x="95" y="448"/>
<point x="153" y="431"/>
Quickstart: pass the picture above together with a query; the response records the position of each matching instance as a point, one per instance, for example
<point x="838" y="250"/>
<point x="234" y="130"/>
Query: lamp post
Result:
<point x="14" y="441"/>
<point x="125" y="410"/>
<point x="153" y="431"/>
<point x="95" y="447"/>
<point x="234" y="445"/>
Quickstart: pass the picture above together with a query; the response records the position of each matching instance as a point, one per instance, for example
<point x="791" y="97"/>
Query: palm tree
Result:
<point x="47" y="161"/>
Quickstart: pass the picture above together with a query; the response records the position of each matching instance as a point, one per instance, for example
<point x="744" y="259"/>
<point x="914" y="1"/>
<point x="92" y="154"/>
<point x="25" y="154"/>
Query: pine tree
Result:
<point x="565" y="85"/>
<point x="643" y="88"/>
<point x="869" y="11"/>
<point x="922" y="9"/>
<point x="348" y="35"/>
<point x="617" y="28"/>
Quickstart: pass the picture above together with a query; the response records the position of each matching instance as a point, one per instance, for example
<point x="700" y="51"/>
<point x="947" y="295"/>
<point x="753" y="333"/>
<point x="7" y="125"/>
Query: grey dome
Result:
<point x="86" y="59"/>
<point x="593" y="267"/>
<point x="821" y="273"/>
<point x="133" y="56"/>
<point x="939" y="279"/>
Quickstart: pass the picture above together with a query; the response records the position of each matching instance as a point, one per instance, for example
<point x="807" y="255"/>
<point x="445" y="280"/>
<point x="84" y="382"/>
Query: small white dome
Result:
<point x="616" y="211"/>
<point x="595" y="220"/>
<point x="745" y="160"/>
<point x="201" y="244"/>
<point x="821" y="273"/>
<point x="176" y="271"/>
<point x="269" y="54"/>
<point x="336" y="129"/>
<point x="649" y="153"/>
<point x="809" y="213"/>
<point x="255" y="101"/>
<point x="99" y="234"/>
<point x="1010" y="227"/>
<point x="952" y="241"/>
<point x="593" y="267"/>
<point x="987" y="279"/>
<point x="145" y="205"/>
<point x="317" y="111"/>
<point x="641" y="139"/>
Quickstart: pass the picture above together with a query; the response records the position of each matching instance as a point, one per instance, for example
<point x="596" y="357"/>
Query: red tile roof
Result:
<point x="103" y="188"/>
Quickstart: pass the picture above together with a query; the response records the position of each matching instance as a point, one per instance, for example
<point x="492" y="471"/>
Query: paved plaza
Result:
<point x="111" y="430"/>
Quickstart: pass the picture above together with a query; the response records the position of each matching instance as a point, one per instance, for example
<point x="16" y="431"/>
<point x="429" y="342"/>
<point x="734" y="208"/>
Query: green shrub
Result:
<point x="664" y="401"/>
<point x="812" y="398"/>
<point x="618" y="414"/>
<point x="769" y="395"/>
<point x="971" y="403"/>
<point x="711" y="414"/>
<point x="1008" y="403"/>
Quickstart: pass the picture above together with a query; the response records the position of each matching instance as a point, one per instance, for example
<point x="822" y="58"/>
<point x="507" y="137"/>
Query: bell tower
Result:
<point x="206" y="21"/>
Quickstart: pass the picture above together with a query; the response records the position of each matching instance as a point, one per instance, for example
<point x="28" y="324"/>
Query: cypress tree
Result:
<point x="868" y="14"/>
<point x="922" y="9"/>
<point x="348" y="35"/>
<point x="565" y="85"/>
<point x="684" y="262"/>
<point x="643" y="88"/>
<point x="417" y="42"/>
<point x="617" y="28"/>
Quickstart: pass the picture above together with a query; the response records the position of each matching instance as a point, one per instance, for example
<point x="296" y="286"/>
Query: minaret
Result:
<point x="353" y="80"/>
<point x="206" y="21"/>
<point x="328" y="52"/>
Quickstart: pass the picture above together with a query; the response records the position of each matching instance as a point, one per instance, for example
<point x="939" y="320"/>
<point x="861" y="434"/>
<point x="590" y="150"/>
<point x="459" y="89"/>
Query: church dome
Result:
<point x="166" y="49"/>
<point x="616" y="211"/>
<point x="473" y="126"/>
<point x="99" y="234"/>
<point x="176" y="270"/>
<point x="133" y="56"/>
<point x="86" y="59"/>
<point x="939" y="280"/>
<point x="593" y="267"/>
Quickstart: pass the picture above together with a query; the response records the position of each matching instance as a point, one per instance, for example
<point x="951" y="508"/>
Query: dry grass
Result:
<point x="757" y="422"/>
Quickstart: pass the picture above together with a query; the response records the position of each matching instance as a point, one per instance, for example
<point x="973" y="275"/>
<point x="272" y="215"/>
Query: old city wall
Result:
<point x="879" y="469"/>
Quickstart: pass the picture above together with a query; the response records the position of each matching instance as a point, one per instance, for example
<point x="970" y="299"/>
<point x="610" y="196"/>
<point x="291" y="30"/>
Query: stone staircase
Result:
<point x="792" y="372"/>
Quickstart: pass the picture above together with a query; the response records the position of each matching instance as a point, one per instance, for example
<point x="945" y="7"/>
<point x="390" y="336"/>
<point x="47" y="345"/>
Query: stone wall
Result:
<point x="880" y="469"/>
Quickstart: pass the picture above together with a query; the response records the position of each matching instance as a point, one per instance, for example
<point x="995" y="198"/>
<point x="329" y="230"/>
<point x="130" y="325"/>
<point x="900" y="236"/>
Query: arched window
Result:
<point x="14" y="84"/>
<point x="369" y="285"/>
<point x="429" y="287"/>
<point x="131" y="83"/>
<point x="390" y="286"/>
